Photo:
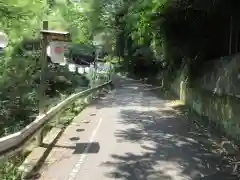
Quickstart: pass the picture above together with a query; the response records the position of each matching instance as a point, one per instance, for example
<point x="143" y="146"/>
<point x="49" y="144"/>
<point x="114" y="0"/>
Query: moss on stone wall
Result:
<point x="222" y="110"/>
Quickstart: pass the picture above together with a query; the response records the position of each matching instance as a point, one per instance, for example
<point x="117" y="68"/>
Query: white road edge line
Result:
<point x="77" y="167"/>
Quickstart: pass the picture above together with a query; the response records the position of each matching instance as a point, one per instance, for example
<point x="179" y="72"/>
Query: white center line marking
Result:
<point x="77" y="167"/>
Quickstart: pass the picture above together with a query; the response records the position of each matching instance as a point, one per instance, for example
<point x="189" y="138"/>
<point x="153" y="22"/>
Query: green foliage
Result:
<point x="116" y="63"/>
<point x="9" y="169"/>
<point x="20" y="69"/>
<point x="77" y="22"/>
<point x="20" y="19"/>
<point x="177" y="32"/>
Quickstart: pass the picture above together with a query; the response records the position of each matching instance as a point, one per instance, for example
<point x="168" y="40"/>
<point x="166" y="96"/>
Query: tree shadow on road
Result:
<point x="172" y="148"/>
<point x="131" y="93"/>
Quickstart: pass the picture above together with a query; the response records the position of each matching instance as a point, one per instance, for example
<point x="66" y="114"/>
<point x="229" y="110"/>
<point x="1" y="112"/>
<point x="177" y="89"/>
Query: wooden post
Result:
<point x="42" y="85"/>
<point x="43" y="59"/>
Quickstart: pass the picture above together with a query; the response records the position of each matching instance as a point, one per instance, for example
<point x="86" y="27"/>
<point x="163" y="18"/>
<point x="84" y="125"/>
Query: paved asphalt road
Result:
<point x="129" y="135"/>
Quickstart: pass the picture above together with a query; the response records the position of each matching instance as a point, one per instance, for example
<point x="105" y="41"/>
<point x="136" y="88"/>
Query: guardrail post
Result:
<point x="89" y="98"/>
<point x="95" y="94"/>
<point x="57" y="119"/>
<point x="39" y="137"/>
<point x="86" y="100"/>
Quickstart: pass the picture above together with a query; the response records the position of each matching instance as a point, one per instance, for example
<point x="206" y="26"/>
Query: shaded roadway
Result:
<point x="131" y="134"/>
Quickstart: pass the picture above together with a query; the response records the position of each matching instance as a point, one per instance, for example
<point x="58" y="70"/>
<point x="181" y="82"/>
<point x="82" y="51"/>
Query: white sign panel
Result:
<point x="72" y="67"/>
<point x="80" y="70"/>
<point x="56" y="52"/>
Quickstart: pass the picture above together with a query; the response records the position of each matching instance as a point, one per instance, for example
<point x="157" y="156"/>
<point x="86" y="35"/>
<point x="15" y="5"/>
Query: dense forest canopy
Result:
<point x="173" y="32"/>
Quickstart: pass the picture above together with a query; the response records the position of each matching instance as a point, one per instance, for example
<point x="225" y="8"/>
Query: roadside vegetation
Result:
<point x="20" y="64"/>
<point x="145" y="38"/>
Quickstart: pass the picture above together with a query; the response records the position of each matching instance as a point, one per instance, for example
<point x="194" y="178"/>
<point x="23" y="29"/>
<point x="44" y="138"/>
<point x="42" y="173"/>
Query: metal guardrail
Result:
<point x="14" y="143"/>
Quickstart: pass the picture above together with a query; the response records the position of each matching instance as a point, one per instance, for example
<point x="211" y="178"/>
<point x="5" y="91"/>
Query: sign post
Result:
<point x="56" y="40"/>
<point x="42" y="84"/>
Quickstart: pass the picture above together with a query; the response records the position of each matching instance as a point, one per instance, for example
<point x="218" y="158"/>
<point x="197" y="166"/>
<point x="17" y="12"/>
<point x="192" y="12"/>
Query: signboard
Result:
<point x="56" y="35"/>
<point x="55" y="51"/>
<point x="57" y="45"/>
<point x="3" y="40"/>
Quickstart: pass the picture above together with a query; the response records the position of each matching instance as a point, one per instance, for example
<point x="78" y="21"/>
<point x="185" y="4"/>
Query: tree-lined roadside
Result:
<point x="144" y="38"/>
<point x="20" y="65"/>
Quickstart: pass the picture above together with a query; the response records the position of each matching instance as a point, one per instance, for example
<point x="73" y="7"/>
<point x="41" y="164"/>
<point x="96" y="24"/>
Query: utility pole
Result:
<point x="44" y="66"/>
